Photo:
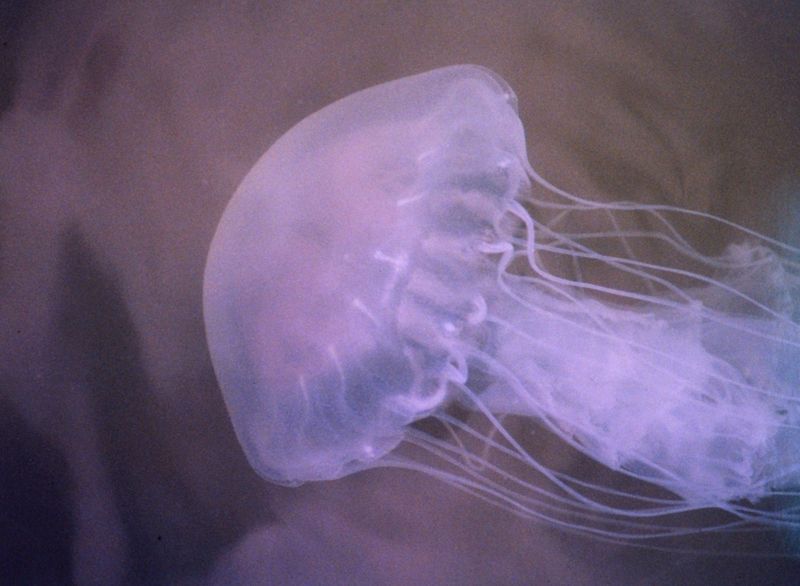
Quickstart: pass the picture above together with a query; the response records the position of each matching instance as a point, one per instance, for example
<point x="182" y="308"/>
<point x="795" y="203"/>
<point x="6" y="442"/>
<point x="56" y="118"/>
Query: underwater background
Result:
<point x="124" y="129"/>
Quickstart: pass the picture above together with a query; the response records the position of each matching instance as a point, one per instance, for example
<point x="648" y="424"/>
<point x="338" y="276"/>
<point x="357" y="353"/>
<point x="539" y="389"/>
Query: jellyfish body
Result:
<point x="387" y="259"/>
<point x="315" y="289"/>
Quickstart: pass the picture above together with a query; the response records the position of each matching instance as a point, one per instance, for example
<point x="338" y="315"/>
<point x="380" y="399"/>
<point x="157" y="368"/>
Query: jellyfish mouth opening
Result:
<point x="613" y="505"/>
<point x="574" y="492"/>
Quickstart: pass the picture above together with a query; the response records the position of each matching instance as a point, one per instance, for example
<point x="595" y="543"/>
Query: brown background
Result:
<point x="124" y="129"/>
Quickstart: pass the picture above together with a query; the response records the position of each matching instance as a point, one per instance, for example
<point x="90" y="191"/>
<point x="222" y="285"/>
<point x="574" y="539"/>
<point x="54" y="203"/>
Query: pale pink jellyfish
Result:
<point x="394" y="258"/>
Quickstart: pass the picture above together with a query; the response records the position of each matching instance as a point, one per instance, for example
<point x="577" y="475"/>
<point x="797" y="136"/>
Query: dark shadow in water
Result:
<point x="169" y="531"/>
<point x="36" y="526"/>
<point x="13" y="14"/>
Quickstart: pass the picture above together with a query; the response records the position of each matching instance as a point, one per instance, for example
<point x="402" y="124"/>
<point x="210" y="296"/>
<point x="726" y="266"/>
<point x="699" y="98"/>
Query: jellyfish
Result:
<point x="394" y="285"/>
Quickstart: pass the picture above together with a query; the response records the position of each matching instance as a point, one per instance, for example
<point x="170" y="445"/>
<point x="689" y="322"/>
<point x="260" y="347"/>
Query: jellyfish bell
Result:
<point x="321" y="351"/>
<point x="387" y="258"/>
